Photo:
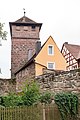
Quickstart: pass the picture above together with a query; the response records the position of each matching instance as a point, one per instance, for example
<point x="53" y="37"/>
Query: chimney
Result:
<point x="38" y="46"/>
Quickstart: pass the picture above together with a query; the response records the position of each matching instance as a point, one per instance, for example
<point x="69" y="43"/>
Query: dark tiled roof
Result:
<point x="73" y="49"/>
<point x="24" y="19"/>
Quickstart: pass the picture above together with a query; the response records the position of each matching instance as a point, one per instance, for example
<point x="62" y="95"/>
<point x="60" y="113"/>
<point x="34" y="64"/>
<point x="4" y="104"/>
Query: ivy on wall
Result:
<point x="67" y="105"/>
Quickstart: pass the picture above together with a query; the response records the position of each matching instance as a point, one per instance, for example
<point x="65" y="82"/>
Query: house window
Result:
<point x="50" y="50"/>
<point x="50" y="65"/>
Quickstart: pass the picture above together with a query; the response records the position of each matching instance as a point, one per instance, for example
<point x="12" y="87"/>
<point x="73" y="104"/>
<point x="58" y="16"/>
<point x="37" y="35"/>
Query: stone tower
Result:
<point x="24" y="35"/>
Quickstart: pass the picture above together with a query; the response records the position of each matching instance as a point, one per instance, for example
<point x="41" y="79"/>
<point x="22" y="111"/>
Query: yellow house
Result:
<point x="49" y="57"/>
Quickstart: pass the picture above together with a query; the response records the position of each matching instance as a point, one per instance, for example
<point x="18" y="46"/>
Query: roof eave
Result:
<point x="24" y="23"/>
<point x="27" y="64"/>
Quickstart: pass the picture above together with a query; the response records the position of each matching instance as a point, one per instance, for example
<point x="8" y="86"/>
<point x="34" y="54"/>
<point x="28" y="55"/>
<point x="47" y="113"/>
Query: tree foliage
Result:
<point x="3" y="34"/>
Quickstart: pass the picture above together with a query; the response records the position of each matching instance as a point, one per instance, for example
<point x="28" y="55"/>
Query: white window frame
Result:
<point x="53" y="65"/>
<point x="52" y="49"/>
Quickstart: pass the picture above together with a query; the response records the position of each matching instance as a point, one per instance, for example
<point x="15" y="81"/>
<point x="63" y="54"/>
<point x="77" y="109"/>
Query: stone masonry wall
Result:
<point x="24" y="76"/>
<point x="57" y="81"/>
<point x="6" y="86"/>
<point x="19" y="53"/>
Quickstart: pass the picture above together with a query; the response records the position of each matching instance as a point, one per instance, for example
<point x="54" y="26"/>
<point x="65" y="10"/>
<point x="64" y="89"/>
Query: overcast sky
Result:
<point x="60" y="18"/>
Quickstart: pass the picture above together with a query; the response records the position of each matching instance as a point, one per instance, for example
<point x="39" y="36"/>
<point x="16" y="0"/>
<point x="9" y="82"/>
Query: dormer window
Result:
<point x="50" y="50"/>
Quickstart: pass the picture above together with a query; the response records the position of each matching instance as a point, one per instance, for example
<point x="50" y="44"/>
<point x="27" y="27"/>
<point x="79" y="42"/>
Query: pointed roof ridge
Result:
<point x="46" y="42"/>
<point x="48" y="39"/>
<point x="25" y="19"/>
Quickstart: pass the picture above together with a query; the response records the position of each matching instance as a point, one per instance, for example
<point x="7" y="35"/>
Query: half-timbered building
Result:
<point x="72" y="55"/>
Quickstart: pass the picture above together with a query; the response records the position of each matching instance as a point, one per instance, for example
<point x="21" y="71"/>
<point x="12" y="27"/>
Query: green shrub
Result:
<point x="11" y="100"/>
<point x="31" y="94"/>
<point x="28" y="97"/>
<point x="67" y="104"/>
<point x="46" y="98"/>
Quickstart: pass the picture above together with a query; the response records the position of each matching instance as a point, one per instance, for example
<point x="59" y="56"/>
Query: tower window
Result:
<point x="17" y="28"/>
<point x="33" y="28"/>
<point x="25" y="28"/>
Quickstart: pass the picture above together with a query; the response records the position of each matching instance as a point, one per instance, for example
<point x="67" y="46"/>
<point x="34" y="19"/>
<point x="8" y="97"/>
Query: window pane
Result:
<point x="50" y="50"/>
<point x="50" y="65"/>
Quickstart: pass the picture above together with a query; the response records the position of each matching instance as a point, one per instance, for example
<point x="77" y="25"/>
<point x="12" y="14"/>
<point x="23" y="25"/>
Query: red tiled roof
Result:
<point x="73" y="49"/>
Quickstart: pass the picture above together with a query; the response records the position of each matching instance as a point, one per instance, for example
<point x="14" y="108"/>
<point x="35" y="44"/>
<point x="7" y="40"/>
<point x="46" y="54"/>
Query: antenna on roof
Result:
<point x="24" y="11"/>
